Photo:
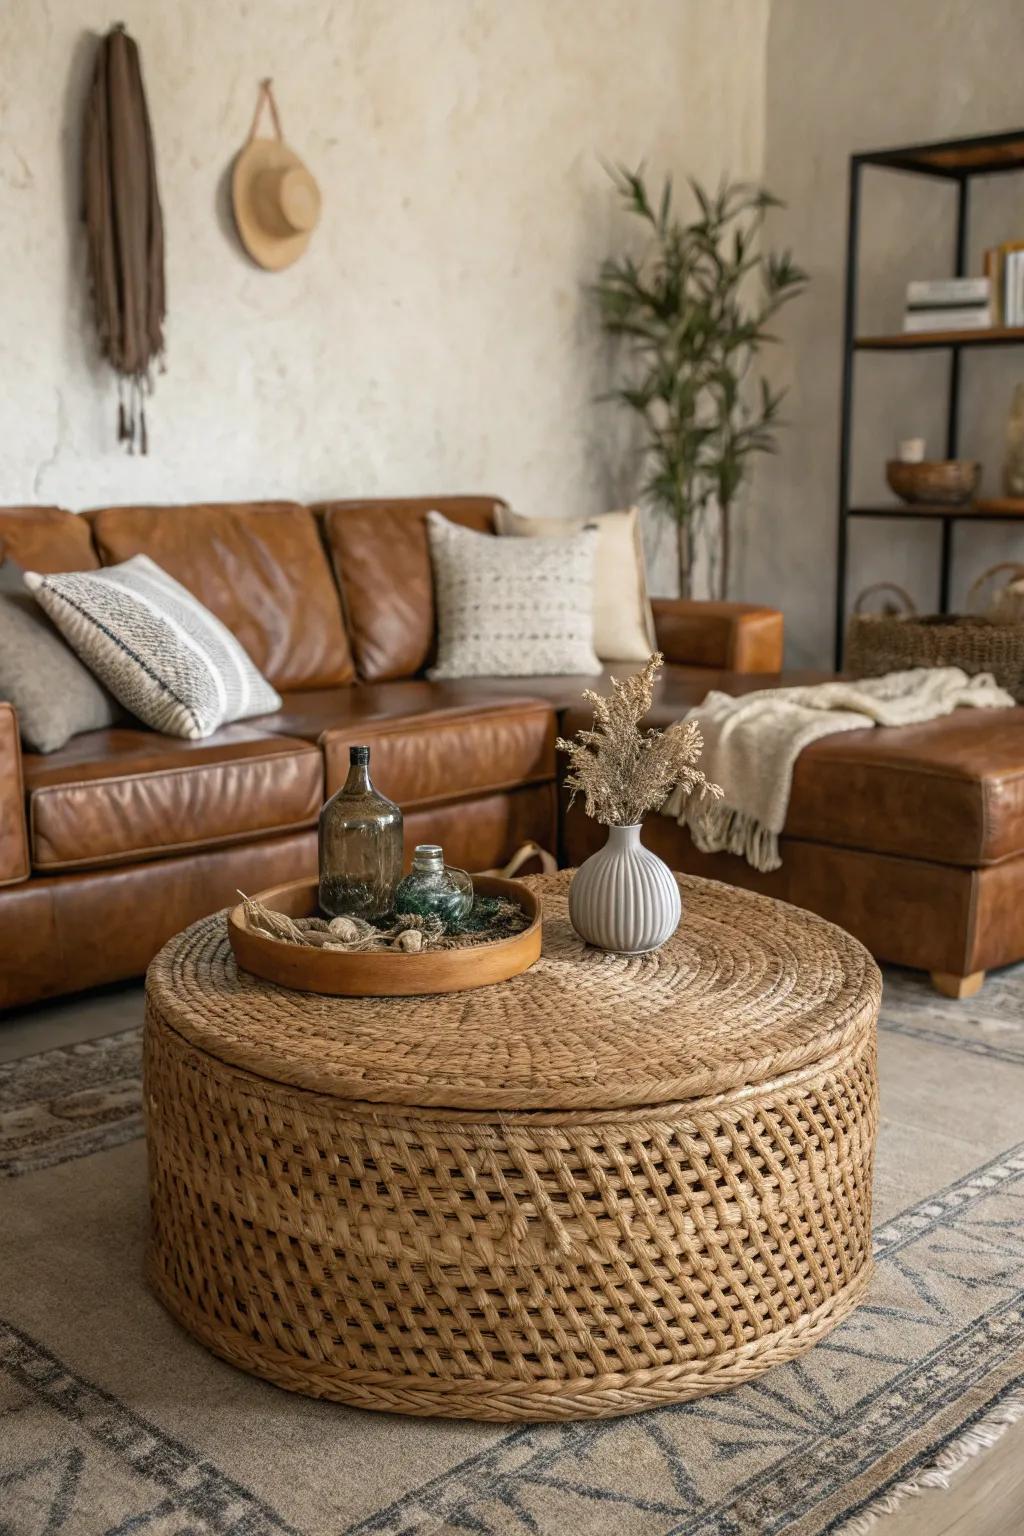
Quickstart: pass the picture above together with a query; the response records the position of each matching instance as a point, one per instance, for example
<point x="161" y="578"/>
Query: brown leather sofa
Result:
<point x="124" y="836"/>
<point x="912" y="839"/>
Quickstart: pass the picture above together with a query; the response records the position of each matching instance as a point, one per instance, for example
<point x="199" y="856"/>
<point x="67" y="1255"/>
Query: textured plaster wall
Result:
<point x="436" y="335"/>
<point x="841" y="78"/>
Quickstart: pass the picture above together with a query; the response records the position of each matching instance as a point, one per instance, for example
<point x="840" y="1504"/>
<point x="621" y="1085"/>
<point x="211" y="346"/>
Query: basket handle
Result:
<point x="993" y="570"/>
<point x="886" y="586"/>
<point x="523" y="855"/>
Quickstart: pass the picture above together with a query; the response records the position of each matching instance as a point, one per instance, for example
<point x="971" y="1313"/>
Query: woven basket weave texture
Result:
<point x="606" y="1184"/>
<point x="877" y="643"/>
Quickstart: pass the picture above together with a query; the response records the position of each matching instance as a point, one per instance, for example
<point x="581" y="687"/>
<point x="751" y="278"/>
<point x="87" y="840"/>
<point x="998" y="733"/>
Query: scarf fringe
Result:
<point x="719" y="828"/>
<point x="132" y="430"/>
<point x="940" y="1472"/>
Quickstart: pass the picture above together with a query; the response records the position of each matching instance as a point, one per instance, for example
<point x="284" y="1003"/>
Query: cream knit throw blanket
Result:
<point x="752" y="742"/>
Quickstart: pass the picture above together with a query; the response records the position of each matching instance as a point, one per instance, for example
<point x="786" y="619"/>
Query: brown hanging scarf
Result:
<point x="124" y="229"/>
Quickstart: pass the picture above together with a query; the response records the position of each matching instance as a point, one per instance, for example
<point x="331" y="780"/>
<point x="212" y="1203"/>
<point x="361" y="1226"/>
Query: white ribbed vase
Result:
<point x="624" y="897"/>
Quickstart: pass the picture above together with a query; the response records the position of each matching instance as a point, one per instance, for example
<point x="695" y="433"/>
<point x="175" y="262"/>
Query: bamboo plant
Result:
<point x="692" y="311"/>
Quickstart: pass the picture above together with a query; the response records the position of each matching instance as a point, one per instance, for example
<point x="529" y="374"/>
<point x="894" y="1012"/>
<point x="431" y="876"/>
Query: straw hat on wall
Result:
<point x="276" y="199"/>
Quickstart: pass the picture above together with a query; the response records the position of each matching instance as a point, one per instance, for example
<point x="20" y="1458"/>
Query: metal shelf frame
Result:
<point x="956" y="160"/>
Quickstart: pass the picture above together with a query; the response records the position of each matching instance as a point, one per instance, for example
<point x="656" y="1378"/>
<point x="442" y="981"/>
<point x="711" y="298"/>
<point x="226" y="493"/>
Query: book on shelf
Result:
<point x="1013" y="289"/>
<point x="948" y="292"/>
<point x="976" y="317"/>
<point x="1003" y="269"/>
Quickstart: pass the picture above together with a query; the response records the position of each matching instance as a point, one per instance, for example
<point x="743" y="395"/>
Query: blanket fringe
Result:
<point x="940" y="1472"/>
<point x="719" y="828"/>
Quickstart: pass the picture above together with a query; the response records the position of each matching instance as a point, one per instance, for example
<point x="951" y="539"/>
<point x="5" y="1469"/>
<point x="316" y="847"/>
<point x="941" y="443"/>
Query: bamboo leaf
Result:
<point x="692" y="330"/>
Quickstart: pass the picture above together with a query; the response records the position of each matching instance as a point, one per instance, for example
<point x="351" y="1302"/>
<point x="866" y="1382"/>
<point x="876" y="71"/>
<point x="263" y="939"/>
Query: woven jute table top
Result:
<point x="746" y="990"/>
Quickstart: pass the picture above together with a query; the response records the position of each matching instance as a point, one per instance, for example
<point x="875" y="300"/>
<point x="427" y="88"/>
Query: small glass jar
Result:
<point x="360" y="846"/>
<point x="434" y="888"/>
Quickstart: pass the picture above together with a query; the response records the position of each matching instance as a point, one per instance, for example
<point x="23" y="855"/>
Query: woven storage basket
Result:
<point x="877" y="643"/>
<point x="605" y="1185"/>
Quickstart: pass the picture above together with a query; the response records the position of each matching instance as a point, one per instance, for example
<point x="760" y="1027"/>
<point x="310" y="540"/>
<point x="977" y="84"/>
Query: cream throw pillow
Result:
<point x="509" y="609"/>
<point x="623" y="623"/>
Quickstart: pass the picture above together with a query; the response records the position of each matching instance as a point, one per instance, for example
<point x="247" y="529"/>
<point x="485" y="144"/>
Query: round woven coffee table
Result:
<point x="606" y="1184"/>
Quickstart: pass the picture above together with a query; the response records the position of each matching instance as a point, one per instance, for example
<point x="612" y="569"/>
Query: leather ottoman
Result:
<point x="912" y="839"/>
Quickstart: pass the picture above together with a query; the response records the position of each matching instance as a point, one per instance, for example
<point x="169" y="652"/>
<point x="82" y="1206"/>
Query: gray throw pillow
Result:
<point x="54" y="695"/>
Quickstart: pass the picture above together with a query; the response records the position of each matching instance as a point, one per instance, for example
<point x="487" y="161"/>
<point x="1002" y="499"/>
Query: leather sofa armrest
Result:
<point x="735" y="637"/>
<point x="14" y="860"/>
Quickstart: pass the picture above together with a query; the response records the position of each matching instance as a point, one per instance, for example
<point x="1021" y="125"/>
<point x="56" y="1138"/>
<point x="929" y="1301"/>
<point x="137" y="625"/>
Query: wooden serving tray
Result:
<point x="384" y="974"/>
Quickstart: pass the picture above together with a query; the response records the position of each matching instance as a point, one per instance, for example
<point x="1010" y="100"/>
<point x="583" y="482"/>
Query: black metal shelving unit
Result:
<point x="956" y="160"/>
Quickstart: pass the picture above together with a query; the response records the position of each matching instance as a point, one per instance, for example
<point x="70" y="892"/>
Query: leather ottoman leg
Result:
<point x="958" y="987"/>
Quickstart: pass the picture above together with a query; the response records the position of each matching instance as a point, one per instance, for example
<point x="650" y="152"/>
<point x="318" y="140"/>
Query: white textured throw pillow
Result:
<point x="623" y="622"/>
<point x="168" y="659"/>
<point x="511" y="608"/>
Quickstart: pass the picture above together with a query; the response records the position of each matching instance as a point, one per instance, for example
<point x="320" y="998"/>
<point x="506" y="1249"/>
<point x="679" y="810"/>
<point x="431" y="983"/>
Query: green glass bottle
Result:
<point x="434" y="888"/>
<point x="360" y="844"/>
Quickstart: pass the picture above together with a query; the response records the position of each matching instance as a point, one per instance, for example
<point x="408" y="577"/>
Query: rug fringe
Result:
<point x="719" y="828"/>
<point x="939" y="1473"/>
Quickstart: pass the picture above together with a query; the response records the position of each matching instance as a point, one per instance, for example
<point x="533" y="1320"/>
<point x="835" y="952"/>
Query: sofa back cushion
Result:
<point x="259" y="566"/>
<point x="46" y="539"/>
<point x="382" y="562"/>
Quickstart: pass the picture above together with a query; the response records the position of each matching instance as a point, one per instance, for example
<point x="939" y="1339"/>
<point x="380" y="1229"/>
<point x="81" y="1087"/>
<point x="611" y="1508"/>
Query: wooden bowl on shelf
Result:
<point x="938" y="482"/>
<point x="383" y="973"/>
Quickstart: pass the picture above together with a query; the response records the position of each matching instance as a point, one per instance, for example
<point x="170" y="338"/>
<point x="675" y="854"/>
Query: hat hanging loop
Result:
<point x="265" y="95"/>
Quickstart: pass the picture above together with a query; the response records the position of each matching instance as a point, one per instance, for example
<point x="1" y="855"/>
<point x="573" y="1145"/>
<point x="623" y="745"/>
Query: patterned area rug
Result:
<point x="113" y="1421"/>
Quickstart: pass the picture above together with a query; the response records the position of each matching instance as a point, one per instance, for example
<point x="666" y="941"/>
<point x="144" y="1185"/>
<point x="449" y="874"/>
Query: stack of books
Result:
<point x="949" y="304"/>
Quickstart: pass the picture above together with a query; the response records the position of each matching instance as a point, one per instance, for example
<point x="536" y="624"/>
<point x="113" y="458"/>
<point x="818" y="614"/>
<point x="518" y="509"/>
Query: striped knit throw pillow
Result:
<point x="163" y="655"/>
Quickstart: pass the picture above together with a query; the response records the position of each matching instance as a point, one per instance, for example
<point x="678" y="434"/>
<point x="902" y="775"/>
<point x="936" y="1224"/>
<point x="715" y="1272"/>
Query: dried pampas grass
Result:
<point x="623" y="772"/>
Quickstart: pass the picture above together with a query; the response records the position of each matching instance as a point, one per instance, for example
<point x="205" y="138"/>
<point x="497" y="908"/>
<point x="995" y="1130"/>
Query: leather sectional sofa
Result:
<point x="124" y="836"/>
<point x="912" y="839"/>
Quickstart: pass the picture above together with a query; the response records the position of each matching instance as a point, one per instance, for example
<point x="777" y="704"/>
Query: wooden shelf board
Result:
<point x="1001" y="509"/>
<point x="995" y="336"/>
<point x="999" y="506"/>
<point x="957" y="157"/>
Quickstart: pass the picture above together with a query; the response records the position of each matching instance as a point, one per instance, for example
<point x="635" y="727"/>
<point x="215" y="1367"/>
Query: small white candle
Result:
<point x="911" y="450"/>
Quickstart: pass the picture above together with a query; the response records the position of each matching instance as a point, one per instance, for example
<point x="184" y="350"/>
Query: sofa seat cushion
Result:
<point x="382" y="562"/>
<point x="430" y="742"/>
<point x="120" y="796"/>
<point x="451" y="755"/>
<point x="260" y="567"/>
<point x="310" y="712"/>
<point x="677" y="690"/>
<point x="950" y="791"/>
